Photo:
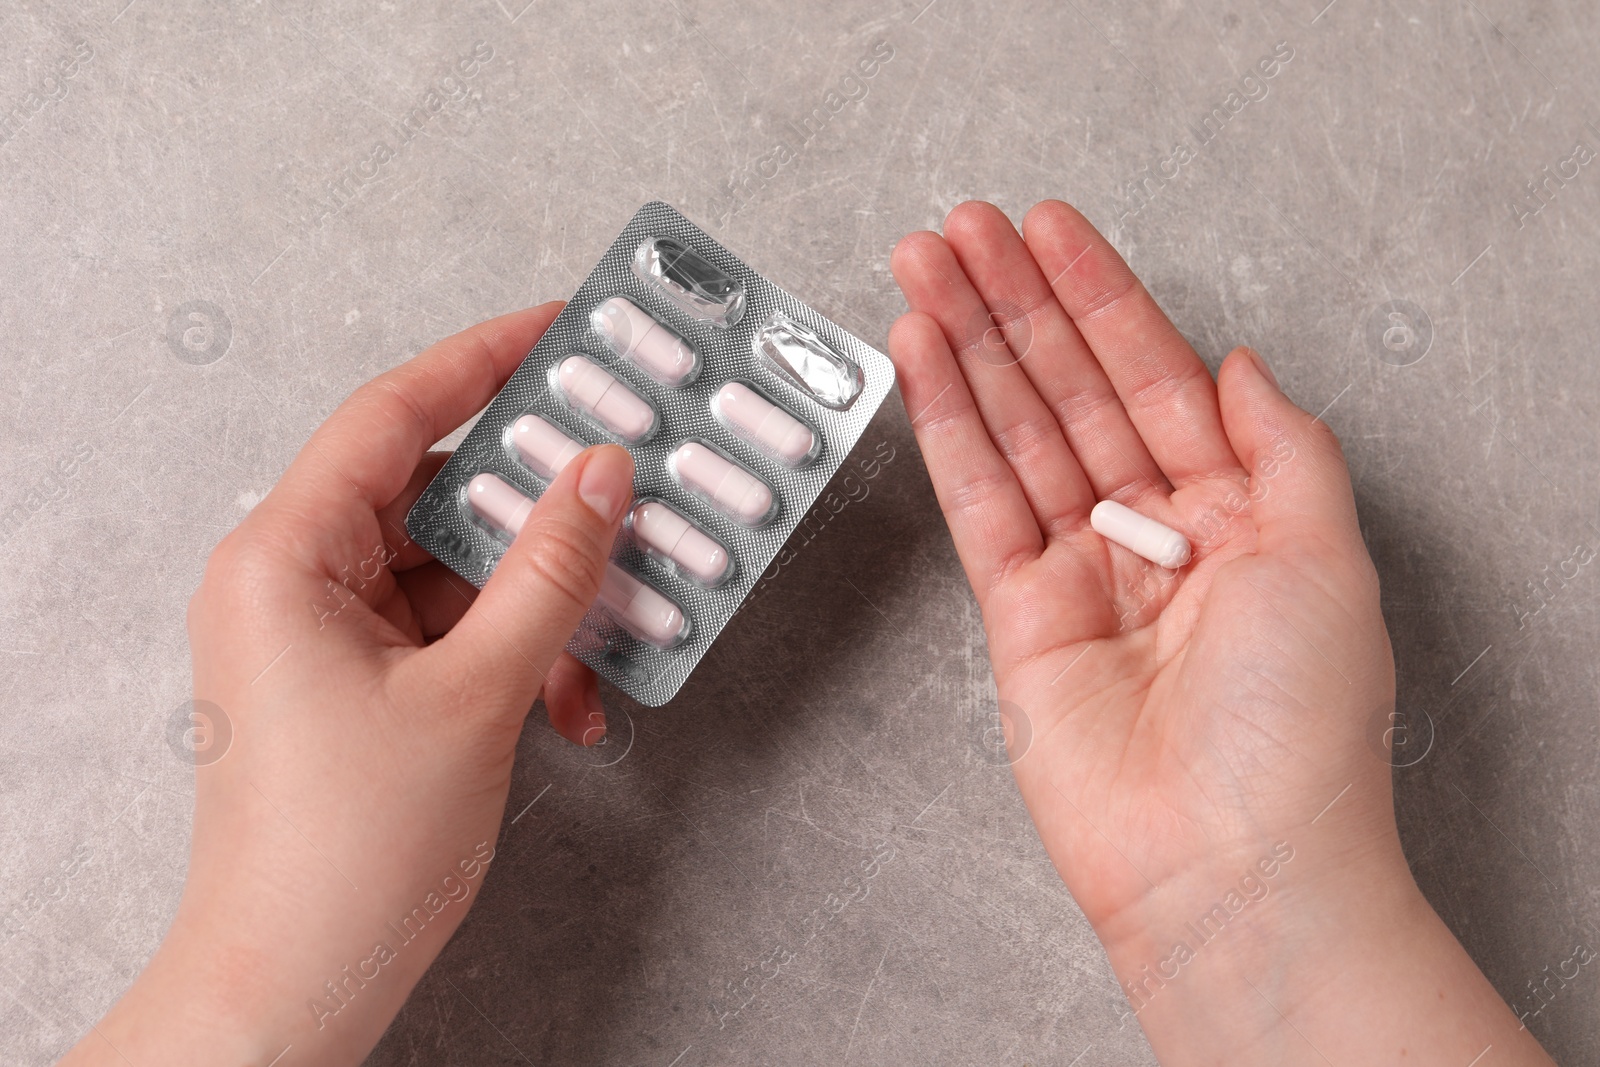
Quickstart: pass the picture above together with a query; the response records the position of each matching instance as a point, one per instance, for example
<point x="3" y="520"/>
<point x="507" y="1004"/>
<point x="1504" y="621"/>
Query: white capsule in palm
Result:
<point x="1161" y="545"/>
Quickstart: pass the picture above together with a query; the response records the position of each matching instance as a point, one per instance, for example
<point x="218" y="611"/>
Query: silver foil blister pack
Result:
<point x="738" y="403"/>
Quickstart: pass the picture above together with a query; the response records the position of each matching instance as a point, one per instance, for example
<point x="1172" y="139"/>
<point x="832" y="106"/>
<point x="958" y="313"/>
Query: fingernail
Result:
<point x="1266" y="371"/>
<point x="606" y="482"/>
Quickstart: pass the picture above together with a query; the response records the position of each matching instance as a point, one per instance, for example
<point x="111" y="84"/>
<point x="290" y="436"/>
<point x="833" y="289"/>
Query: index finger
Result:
<point x="365" y="452"/>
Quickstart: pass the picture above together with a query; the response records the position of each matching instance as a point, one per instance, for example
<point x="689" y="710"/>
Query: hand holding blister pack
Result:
<point x="738" y="403"/>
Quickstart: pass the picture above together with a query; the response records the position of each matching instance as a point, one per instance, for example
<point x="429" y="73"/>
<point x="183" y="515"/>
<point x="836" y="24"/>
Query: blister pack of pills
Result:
<point x="738" y="402"/>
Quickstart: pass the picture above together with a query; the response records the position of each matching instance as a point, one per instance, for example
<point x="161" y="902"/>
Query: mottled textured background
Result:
<point x="184" y="300"/>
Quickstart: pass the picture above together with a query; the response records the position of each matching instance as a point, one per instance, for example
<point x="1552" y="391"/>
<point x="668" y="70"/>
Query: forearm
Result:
<point x="264" y="956"/>
<point x="1349" y="965"/>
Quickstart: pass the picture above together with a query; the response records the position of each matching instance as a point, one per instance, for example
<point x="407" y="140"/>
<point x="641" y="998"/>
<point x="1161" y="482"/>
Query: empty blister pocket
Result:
<point x="796" y="352"/>
<point x="700" y="290"/>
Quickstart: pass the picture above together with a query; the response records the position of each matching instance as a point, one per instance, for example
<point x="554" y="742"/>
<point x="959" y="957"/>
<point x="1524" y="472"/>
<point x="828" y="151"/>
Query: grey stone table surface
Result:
<point x="218" y="219"/>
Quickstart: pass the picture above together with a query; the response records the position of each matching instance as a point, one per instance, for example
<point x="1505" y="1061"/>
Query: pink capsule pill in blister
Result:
<point x="723" y="483"/>
<point x="636" y="336"/>
<point x="636" y="606"/>
<point x="642" y="611"/>
<point x="596" y="394"/>
<point x="765" y="425"/>
<point x="664" y="532"/>
<point x="543" y="448"/>
<point x="498" y="503"/>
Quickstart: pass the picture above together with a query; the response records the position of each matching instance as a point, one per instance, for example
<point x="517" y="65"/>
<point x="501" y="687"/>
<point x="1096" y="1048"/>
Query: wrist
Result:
<point x="1257" y="897"/>
<point x="1335" y="957"/>
<point x="198" y="999"/>
<point x="250" y="968"/>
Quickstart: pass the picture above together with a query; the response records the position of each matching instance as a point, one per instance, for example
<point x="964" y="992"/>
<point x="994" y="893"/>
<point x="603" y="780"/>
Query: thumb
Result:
<point x="501" y="652"/>
<point x="1300" y="493"/>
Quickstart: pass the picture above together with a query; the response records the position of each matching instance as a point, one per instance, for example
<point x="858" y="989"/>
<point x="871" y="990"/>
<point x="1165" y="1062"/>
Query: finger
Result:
<point x="405" y="553"/>
<point x="572" y="697"/>
<point x="1020" y="425"/>
<point x="439" y="597"/>
<point x="1300" y="494"/>
<point x="364" y="455"/>
<point x="1054" y="356"/>
<point x="983" y="503"/>
<point x="1166" y="389"/>
<point x="500" y="653"/>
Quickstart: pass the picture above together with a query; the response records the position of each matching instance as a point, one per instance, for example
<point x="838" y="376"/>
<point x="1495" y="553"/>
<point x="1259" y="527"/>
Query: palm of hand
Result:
<point x="1164" y="727"/>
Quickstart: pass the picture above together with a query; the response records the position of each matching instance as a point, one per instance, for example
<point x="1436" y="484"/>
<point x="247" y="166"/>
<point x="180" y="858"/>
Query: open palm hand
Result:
<point x="1167" y="728"/>
<point x="1188" y="742"/>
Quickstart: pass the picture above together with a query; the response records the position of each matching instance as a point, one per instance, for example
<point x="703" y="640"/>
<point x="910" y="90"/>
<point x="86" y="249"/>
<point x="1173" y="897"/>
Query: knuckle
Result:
<point x="1028" y="442"/>
<point x="1081" y="403"/>
<point x="238" y="571"/>
<point x="1172" y="379"/>
<point x="396" y="400"/>
<point x="1324" y="439"/>
<point x="210" y="599"/>
<point x="973" y="496"/>
<point x="563" y="559"/>
<point x="1107" y="295"/>
<point x="222" y="566"/>
<point x="945" y="420"/>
